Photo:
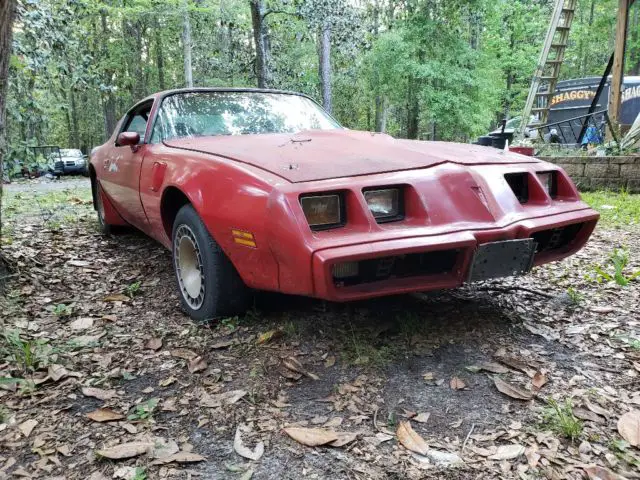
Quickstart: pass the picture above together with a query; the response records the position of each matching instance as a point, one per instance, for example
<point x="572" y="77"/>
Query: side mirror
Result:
<point x="128" y="138"/>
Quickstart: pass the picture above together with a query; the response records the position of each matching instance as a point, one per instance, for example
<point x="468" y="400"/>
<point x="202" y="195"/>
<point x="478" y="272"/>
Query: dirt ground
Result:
<point x="536" y="377"/>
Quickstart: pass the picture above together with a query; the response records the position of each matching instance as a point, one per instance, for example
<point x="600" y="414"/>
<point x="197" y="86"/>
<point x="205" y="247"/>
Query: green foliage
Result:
<point x="62" y="310"/>
<point x="133" y="289"/>
<point x="575" y="296"/>
<point x="140" y="474"/>
<point x="618" y="209"/>
<point x="359" y="349"/>
<point x="144" y="410"/>
<point x="442" y="70"/>
<point x="615" y="270"/>
<point x="559" y="418"/>
<point x="24" y="354"/>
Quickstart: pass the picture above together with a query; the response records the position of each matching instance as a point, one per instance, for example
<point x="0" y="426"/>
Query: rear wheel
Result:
<point x="209" y="284"/>
<point x="104" y="226"/>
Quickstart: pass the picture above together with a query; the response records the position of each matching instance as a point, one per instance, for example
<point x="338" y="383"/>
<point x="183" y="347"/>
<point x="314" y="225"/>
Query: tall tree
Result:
<point x="327" y="18"/>
<point x="261" y="41"/>
<point x="7" y="13"/>
<point x="186" y="43"/>
<point x="324" y="63"/>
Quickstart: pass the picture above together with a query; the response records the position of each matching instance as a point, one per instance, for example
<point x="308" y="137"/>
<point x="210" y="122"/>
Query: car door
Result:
<point x="122" y="168"/>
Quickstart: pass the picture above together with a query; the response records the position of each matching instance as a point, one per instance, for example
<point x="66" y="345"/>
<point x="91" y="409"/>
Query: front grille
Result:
<point x="70" y="163"/>
<point x="556" y="238"/>
<point x="401" y="266"/>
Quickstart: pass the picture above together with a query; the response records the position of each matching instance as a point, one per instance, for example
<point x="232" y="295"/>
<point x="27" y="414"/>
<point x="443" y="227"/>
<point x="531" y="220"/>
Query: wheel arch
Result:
<point x="94" y="178"/>
<point x="173" y="199"/>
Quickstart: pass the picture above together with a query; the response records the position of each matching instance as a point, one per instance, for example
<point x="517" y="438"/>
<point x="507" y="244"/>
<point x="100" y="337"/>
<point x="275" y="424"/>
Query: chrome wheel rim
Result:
<point x="189" y="268"/>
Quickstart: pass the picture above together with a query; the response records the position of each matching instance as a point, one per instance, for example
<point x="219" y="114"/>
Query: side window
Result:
<point x="139" y="125"/>
<point x="137" y="121"/>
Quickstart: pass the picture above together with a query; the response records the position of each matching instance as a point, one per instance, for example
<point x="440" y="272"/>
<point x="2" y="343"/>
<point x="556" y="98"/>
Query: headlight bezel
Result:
<point x="398" y="200"/>
<point x="550" y="183"/>
<point x="342" y="217"/>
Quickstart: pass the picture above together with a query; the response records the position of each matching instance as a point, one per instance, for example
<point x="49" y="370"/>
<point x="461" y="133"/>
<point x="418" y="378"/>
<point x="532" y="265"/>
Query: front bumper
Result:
<point x="71" y="169"/>
<point x="440" y="261"/>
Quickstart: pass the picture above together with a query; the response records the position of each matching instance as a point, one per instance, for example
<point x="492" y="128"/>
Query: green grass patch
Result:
<point x="559" y="418"/>
<point x="53" y="207"/>
<point x="617" y="209"/>
<point x="359" y="348"/>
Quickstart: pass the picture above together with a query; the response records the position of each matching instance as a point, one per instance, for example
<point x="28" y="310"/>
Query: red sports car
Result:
<point x="262" y="189"/>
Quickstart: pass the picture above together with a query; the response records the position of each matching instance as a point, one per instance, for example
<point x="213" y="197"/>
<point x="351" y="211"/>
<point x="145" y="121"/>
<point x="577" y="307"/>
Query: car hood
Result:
<point x="324" y="154"/>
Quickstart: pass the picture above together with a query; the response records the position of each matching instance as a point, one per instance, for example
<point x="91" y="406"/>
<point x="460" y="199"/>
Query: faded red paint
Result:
<point x="456" y="196"/>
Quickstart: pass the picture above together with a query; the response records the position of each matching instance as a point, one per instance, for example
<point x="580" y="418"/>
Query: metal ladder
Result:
<point x="548" y="68"/>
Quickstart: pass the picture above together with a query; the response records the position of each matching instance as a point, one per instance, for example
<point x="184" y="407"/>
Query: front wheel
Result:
<point x="209" y="284"/>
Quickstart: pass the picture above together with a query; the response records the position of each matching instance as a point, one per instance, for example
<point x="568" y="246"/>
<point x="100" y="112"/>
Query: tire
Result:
<point x="105" y="228"/>
<point x="219" y="291"/>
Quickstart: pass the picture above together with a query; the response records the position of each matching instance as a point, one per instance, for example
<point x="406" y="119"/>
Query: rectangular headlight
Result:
<point x="548" y="180"/>
<point x="384" y="204"/>
<point x="322" y="211"/>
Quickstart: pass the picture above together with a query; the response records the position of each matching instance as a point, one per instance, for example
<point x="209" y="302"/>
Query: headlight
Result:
<point x="80" y="161"/>
<point x="384" y="204"/>
<point x="548" y="180"/>
<point x="322" y="211"/>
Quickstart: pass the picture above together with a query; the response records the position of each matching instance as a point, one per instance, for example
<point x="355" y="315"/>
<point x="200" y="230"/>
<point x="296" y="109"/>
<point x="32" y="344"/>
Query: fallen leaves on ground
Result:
<point x="295" y="366"/>
<point x="99" y="393"/>
<point x="595" y="472"/>
<point x="244" y="451"/>
<point x="269" y="336"/>
<point x="629" y="427"/>
<point x="104" y="415"/>
<point x="116" y="297"/>
<point x="538" y="381"/>
<point x="197" y="364"/>
<point x="180" y="457"/>
<point x="27" y="427"/>
<point x="125" y="450"/>
<point x="507" y="452"/>
<point x="220" y="399"/>
<point x="410" y="439"/>
<point x="457" y="384"/>
<point x="153" y="344"/>
<point x="311" y="437"/>
<point x="421" y="417"/>
<point x="512" y="391"/>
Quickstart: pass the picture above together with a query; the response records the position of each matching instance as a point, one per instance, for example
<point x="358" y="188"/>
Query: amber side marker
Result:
<point x="243" y="238"/>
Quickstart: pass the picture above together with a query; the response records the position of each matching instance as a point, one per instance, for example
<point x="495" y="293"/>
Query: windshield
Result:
<point x="196" y="114"/>
<point x="513" y="123"/>
<point x="70" y="152"/>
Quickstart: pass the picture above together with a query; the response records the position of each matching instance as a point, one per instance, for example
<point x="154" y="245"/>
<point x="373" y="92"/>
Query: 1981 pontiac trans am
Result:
<point x="261" y="189"/>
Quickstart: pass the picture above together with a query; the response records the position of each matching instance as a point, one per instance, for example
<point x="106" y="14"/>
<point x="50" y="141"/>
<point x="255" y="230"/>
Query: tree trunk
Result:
<point x="260" y="39"/>
<point x="186" y="42"/>
<point x="108" y="102"/>
<point x="381" y="114"/>
<point x="140" y="88"/>
<point x="159" y="56"/>
<point x="380" y="101"/>
<point x="413" y="110"/>
<point x="7" y="13"/>
<point x="75" y="138"/>
<point x="634" y="51"/>
<point x="325" y="66"/>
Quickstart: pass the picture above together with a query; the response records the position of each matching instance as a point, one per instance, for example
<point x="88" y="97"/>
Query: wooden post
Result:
<point x="618" y="62"/>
